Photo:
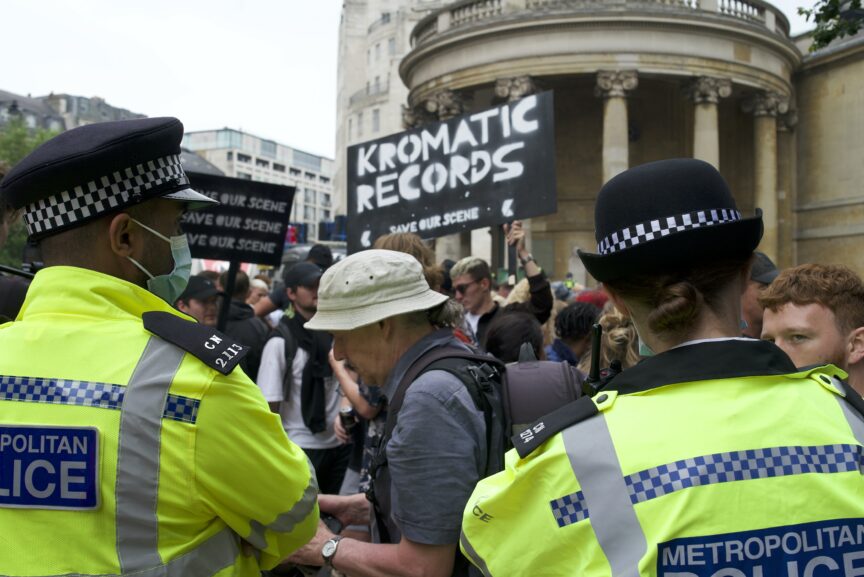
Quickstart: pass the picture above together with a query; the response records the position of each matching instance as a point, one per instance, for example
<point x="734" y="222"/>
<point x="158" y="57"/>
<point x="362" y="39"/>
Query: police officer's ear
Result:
<point x="122" y="235"/>
<point x="855" y="347"/>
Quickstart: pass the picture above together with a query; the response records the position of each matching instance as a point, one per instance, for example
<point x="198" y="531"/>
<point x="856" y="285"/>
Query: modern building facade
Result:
<point x="242" y="155"/>
<point x="640" y="80"/>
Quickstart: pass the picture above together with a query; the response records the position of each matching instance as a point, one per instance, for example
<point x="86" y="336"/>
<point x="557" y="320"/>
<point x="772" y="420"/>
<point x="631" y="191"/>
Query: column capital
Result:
<point x="510" y="89"/>
<point x="766" y="104"/>
<point x="706" y="89"/>
<point x="441" y="105"/>
<point x="445" y="104"/>
<point x="787" y="122"/>
<point x="611" y="83"/>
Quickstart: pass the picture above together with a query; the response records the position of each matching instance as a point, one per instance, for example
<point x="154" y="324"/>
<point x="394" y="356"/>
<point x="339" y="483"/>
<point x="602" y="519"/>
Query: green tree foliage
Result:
<point x="16" y="142"/>
<point x="834" y="19"/>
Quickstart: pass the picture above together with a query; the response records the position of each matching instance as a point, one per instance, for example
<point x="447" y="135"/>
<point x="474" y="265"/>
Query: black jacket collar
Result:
<point x="704" y="361"/>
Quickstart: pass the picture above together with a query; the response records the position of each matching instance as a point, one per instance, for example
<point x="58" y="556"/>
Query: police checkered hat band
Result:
<point x="658" y="228"/>
<point x="105" y="194"/>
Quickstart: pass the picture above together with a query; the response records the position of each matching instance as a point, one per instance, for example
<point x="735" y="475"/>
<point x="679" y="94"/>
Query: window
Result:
<point x="350" y="128"/>
<point x="278" y="167"/>
<point x="243" y="157"/>
<point x="309" y="214"/>
<point x="309" y="196"/>
<point x="244" y="175"/>
<point x="293" y="172"/>
<point x="359" y="125"/>
<point x="368" y="87"/>
<point x="377" y="51"/>
<point x="229" y="155"/>
<point x="309" y="176"/>
<point x="261" y="163"/>
<point x="376" y="120"/>
<point x="391" y="47"/>
<point x="377" y="88"/>
<point x="324" y="179"/>
<point x="324" y="199"/>
<point x="326" y="214"/>
<point x="268" y="148"/>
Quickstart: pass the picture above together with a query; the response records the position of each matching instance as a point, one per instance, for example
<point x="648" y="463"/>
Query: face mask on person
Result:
<point x="169" y="286"/>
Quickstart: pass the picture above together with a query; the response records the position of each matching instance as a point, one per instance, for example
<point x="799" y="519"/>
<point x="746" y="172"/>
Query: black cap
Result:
<point x="321" y="255"/>
<point x="763" y="270"/>
<point x="667" y="214"/>
<point x="96" y="169"/>
<point x="199" y="288"/>
<point x="302" y="274"/>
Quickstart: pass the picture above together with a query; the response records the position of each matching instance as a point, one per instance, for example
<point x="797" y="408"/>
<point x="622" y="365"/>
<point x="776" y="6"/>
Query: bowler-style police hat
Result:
<point x="97" y="169"/>
<point x="667" y="214"/>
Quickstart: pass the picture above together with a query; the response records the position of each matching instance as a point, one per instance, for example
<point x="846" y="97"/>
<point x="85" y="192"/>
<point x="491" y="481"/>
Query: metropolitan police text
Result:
<point x="481" y="146"/>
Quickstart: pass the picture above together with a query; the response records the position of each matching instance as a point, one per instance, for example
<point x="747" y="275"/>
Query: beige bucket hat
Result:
<point x="370" y="286"/>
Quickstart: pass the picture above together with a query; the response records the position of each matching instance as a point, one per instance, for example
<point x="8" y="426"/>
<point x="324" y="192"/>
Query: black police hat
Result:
<point x="667" y="214"/>
<point x="97" y="169"/>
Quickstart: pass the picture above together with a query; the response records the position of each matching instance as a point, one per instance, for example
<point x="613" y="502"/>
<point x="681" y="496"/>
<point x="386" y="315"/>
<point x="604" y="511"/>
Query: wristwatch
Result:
<point x="527" y="259"/>
<point x="328" y="551"/>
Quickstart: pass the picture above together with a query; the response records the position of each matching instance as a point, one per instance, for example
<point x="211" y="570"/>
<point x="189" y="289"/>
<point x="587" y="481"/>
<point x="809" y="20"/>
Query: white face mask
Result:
<point x="169" y="286"/>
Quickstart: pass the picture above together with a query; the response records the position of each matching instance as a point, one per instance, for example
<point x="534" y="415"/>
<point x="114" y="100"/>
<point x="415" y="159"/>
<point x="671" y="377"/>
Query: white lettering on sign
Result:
<point x="820" y="549"/>
<point x="432" y="222"/>
<point x="48" y="467"/>
<point x="463" y="162"/>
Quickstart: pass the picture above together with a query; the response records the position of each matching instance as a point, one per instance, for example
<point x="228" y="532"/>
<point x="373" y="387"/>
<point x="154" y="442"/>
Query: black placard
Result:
<point x="476" y="170"/>
<point x="248" y="226"/>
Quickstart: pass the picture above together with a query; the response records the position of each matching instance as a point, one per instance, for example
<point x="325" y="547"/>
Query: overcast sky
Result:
<point x="264" y="66"/>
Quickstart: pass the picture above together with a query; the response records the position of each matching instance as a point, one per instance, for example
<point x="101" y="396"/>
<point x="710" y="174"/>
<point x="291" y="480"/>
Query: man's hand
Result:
<point x="340" y="431"/>
<point x="350" y="510"/>
<point x="516" y="236"/>
<point x="310" y="553"/>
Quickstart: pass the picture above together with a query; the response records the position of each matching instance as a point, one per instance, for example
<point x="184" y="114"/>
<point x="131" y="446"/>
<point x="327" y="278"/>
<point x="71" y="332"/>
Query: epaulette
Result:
<point x="216" y="350"/>
<point x="543" y="429"/>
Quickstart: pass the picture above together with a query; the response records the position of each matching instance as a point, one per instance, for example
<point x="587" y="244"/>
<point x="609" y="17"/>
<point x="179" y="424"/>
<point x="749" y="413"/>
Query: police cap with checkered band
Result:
<point x="665" y="215"/>
<point x="97" y="169"/>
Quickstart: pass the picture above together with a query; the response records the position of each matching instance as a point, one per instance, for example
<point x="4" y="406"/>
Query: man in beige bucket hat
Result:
<point x="384" y="317"/>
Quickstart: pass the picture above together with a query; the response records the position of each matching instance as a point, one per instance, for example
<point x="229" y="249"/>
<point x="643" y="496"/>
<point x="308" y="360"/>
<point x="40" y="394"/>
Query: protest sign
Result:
<point x="248" y="226"/>
<point x="476" y="170"/>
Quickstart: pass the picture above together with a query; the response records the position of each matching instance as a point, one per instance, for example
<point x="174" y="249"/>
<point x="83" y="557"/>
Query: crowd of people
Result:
<point x="386" y="414"/>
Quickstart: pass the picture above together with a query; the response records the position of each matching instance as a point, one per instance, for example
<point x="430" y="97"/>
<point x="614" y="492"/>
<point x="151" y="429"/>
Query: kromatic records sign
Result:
<point x="476" y="170"/>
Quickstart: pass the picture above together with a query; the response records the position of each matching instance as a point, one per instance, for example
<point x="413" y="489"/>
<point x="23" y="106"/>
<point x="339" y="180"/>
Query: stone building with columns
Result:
<point x="641" y="80"/>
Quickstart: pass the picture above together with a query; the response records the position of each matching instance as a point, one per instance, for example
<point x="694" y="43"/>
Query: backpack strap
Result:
<point x="447" y="357"/>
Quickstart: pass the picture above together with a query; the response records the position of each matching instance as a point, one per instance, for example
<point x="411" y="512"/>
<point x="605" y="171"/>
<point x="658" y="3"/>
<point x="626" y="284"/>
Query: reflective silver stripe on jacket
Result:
<point x="475" y="557"/>
<point x="217" y="553"/>
<point x="856" y="422"/>
<point x="286" y="522"/>
<point x="140" y="444"/>
<point x="613" y="518"/>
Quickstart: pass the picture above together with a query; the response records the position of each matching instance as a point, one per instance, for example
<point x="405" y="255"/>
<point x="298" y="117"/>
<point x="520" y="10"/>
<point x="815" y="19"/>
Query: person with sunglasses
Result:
<point x="472" y="287"/>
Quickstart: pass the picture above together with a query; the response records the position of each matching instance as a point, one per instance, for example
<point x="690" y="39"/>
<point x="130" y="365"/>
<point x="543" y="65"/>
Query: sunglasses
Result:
<point x="461" y="288"/>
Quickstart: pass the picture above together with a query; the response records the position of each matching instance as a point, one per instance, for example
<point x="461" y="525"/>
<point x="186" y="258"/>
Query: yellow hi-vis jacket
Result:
<point x="122" y="453"/>
<point x="717" y="459"/>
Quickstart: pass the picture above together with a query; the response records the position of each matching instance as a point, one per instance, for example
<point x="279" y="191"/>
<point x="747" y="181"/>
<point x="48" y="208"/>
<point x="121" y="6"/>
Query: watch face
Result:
<point x="328" y="549"/>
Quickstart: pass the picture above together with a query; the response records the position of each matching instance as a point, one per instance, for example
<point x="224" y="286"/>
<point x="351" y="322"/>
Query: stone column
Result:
<point x="765" y="106"/>
<point x="706" y="92"/>
<point x="786" y="189"/>
<point x="612" y="86"/>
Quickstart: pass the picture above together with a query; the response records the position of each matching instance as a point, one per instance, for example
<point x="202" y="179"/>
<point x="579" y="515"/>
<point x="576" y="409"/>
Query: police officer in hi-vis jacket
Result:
<point x="129" y="441"/>
<point x="714" y="457"/>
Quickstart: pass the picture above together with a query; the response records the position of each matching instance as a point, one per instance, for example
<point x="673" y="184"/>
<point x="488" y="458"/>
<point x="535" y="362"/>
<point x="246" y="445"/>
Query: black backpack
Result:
<point x="510" y="397"/>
